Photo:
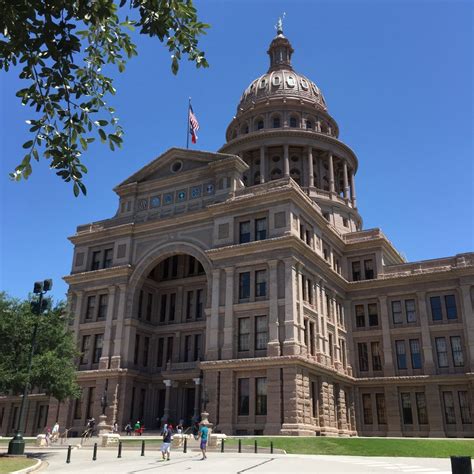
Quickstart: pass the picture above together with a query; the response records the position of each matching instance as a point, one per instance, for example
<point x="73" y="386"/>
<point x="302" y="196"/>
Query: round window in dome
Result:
<point x="176" y="166"/>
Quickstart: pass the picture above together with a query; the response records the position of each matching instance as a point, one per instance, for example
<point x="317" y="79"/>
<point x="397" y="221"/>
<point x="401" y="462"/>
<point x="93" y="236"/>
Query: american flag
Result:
<point x="193" y="125"/>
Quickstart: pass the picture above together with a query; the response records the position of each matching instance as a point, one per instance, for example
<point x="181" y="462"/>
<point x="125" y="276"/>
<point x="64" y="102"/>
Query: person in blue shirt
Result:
<point x="204" y="435"/>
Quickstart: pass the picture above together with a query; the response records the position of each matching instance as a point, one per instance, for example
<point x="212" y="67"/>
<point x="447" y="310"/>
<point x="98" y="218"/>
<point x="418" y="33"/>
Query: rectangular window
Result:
<point x="442" y="352"/>
<point x="456" y="349"/>
<point x="363" y="356"/>
<point x="415" y="353"/>
<point x="161" y="348"/>
<point x="369" y="269"/>
<point x="244" y="334"/>
<point x="450" y="304"/>
<point x="146" y="349"/>
<point x="401" y="354"/>
<point x="397" y="316"/>
<point x="421" y="408"/>
<point x="367" y="408"/>
<point x="381" y="411"/>
<point x="406" y="409"/>
<point x="99" y="338"/>
<point x="244" y="285"/>
<point x="260" y="283"/>
<point x="86" y="341"/>
<point x="149" y="306"/>
<point x="464" y="407"/>
<point x="199" y="304"/>
<point x="260" y="229"/>
<point x="243" y="395"/>
<point x="140" y="305"/>
<point x="355" y="271"/>
<point x="169" y="349"/>
<point x="410" y="309"/>
<point x="108" y="254"/>
<point x="449" y="413"/>
<point x="197" y="346"/>
<point x="261" y="333"/>
<point x="90" y="403"/>
<point x="90" y="309"/>
<point x="187" y="348"/>
<point x="244" y="232"/>
<point x="172" y="307"/>
<point x="163" y="308"/>
<point x="174" y="266"/>
<point x="78" y="408"/>
<point x="376" y="356"/>
<point x="103" y="299"/>
<point x="373" y="314"/>
<point x="189" y="304"/>
<point x="331" y="346"/>
<point x="137" y="347"/>
<point x="261" y="396"/>
<point x="360" y="315"/>
<point x="95" y="264"/>
<point x="436" y="313"/>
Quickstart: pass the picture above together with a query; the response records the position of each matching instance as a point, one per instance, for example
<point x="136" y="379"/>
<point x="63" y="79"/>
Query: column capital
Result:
<point x="197" y="381"/>
<point x="229" y="271"/>
<point x="167" y="383"/>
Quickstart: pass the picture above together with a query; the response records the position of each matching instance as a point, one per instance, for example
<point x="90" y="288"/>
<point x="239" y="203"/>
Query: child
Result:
<point x="166" y="446"/>
<point x="203" y="434"/>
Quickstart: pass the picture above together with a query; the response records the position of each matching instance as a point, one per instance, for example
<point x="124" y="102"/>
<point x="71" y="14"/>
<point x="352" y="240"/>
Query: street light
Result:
<point x="17" y="443"/>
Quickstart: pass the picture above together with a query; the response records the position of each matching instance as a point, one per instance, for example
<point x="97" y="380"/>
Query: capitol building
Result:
<point x="242" y="282"/>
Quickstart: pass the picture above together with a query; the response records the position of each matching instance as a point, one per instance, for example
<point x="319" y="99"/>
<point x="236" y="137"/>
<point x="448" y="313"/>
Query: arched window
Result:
<point x="260" y="125"/>
<point x="309" y="125"/>
<point x="244" y="129"/>
<point x="293" y="122"/>
<point x="295" y="174"/>
<point x="275" y="159"/>
<point x="276" y="122"/>
<point x="275" y="174"/>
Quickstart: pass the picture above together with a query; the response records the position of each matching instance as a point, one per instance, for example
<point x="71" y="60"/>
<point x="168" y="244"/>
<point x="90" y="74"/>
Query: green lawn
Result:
<point x="429" y="448"/>
<point x="14" y="464"/>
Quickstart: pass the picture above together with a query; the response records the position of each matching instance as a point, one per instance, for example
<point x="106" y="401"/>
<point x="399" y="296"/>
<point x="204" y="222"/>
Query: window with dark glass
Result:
<point x="260" y="283"/>
<point x="363" y="356"/>
<point x="140" y="305"/>
<point x="163" y="308"/>
<point x="376" y="356"/>
<point x="276" y="122"/>
<point x="137" y="348"/>
<point x="309" y="124"/>
<point x="369" y="269"/>
<point x="436" y="312"/>
<point x="406" y="409"/>
<point x="415" y="353"/>
<point x="381" y="410"/>
<point x="149" y="306"/>
<point x="261" y="396"/>
<point x="169" y="349"/>
<point x="261" y="229"/>
<point x="260" y="125"/>
<point x="244" y="285"/>
<point x="244" y="232"/>
<point x="86" y="340"/>
<point x="456" y="349"/>
<point x="160" y="352"/>
<point x="90" y="403"/>
<point x="78" y="408"/>
<point x="200" y="269"/>
<point x="243" y="395"/>
<point x="293" y="122"/>
<point x="97" y="348"/>
<point x="197" y="346"/>
<point x="441" y="352"/>
<point x="189" y="303"/>
<point x="356" y="271"/>
<point x="102" y="313"/>
<point x="174" y="266"/>
<point x="108" y="255"/>
<point x="421" y="408"/>
<point x="373" y="314"/>
<point x="146" y="349"/>
<point x="360" y="315"/>
<point x="172" y="306"/>
<point x="410" y="309"/>
<point x="450" y="304"/>
<point x="90" y="309"/>
<point x="331" y="346"/>
<point x="397" y="315"/>
<point x="166" y="268"/>
<point x="199" y="304"/>
<point x="187" y="348"/>
<point x="244" y="334"/>
<point x="95" y="265"/>
<point x="367" y="408"/>
<point x="401" y="354"/>
<point x="464" y="407"/>
<point x="449" y="412"/>
<point x="261" y="333"/>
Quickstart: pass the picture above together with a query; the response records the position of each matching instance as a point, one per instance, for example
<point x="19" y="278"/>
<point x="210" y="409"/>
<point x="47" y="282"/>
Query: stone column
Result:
<point x="325" y="312"/>
<point x="78" y="313"/>
<point x="212" y="328"/>
<point x="468" y="321"/>
<point x="310" y="168"/>
<point x="273" y="420"/>
<point x="353" y="191"/>
<point x="116" y="358"/>
<point x="166" y="411"/>
<point x="300" y="318"/>
<point x="273" y="347"/>
<point x="286" y="160"/>
<point x="428" y="362"/>
<point x="346" y="182"/>
<point x="262" y="165"/>
<point x="197" y="394"/>
<point x="332" y="188"/>
<point x="104" y="360"/>
<point x="227" y="349"/>
<point x="290" y="344"/>
<point x="387" y="342"/>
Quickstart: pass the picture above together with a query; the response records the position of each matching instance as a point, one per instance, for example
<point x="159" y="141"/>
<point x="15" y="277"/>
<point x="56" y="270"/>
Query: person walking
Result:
<point x="166" y="446"/>
<point x="128" y="428"/>
<point x="115" y="428"/>
<point x="55" y="432"/>
<point x="137" y="428"/>
<point x="203" y="434"/>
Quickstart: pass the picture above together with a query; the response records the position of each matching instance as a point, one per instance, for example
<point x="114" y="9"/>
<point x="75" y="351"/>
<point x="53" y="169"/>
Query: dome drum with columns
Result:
<point x="282" y="130"/>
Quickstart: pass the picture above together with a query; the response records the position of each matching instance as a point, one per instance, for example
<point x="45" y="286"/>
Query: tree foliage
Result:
<point x="53" y="369"/>
<point x="63" y="47"/>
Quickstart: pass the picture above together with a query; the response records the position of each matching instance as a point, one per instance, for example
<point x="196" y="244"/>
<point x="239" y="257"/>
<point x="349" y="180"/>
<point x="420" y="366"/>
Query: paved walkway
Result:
<point x="131" y="463"/>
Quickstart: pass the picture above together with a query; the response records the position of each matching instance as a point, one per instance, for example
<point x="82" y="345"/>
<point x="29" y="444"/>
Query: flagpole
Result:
<point x="187" y="135"/>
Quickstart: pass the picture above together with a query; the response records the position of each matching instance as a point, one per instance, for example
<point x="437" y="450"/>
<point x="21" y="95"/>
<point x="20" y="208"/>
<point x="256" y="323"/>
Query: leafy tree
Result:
<point x="53" y="369"/>
<point x="63" y="47"/>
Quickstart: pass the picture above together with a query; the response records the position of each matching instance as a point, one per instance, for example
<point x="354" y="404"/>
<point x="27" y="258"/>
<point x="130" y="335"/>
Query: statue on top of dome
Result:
<point x="279" y="25"/>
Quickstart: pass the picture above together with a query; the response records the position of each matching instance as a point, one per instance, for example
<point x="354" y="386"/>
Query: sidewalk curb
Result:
<point x="29" y="469"/>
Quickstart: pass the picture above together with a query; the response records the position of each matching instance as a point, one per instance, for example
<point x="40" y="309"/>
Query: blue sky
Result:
<point x="397" y="77"/>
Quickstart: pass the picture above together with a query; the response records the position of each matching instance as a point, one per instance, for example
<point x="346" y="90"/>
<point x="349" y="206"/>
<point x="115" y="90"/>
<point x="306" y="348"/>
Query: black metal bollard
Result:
<point x="94" y="454"/>
<point x="240" y="445"/>
<point x="222" y="446"/>
<point x="185" y="447"/>
<point x="119" y="455"/>
<point x="68" y="458"/>
<point x="143" y="448"/>
<point x="271" y="447"/>
<point x="255" y="446"/>
<point x="461" y="465"/>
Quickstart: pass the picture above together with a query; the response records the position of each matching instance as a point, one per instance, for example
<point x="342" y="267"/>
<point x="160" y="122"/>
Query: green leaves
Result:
<point x="62" y="47"/>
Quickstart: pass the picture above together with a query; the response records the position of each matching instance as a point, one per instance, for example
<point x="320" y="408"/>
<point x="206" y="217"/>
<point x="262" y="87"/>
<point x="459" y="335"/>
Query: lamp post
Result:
<point x="17" y="443"/>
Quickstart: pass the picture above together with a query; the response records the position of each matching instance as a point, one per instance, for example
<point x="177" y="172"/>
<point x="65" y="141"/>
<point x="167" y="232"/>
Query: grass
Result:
<point x="429" y="448"/>
<point x="14" y="464"/>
